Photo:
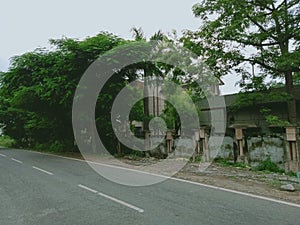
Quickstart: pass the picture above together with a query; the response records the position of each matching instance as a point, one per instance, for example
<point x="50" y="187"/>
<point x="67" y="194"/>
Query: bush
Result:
<point x="196" y="159"/>
<point x="41" y="147"/>
<point x="55" y="146"/>
<point x="224" y="162"/>
<point x="268" y="165"/>
<point x="137" y="154"/>
<point x="6" y="141"/>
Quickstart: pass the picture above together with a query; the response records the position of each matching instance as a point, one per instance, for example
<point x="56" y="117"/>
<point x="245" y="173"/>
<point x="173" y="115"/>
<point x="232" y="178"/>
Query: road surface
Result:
<point x="44" y="189"/>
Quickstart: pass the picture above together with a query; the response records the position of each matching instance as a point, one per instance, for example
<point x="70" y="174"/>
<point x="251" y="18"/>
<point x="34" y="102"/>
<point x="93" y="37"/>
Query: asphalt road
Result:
<point x="43" y="189"/>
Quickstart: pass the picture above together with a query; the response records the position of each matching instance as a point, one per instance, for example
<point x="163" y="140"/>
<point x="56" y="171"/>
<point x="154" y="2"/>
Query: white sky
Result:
<point x="29" y="24"/>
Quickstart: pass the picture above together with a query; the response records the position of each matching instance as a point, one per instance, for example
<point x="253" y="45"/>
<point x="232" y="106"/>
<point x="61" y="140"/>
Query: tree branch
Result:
<point x="261" y="27"/>
<point x="266" y="66"/>
<point x="259" y="45"/>
<point x="253" y="61"/>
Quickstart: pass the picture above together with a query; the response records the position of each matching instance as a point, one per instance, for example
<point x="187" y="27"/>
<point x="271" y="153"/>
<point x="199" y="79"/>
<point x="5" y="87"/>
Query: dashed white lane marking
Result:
<point x="111" y="198"/>
<point x="3" y="155"/>
<point x="44" y="171"/>
<point x="15" y="160"/>
<point x="181" y="180"/>
<point x="88" y="189"/>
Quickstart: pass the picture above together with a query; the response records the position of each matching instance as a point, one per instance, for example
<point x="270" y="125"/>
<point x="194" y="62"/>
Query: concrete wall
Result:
<point x="262" y="140"/>
<point x="259" y="148"/>
<point x="226" y="150"/>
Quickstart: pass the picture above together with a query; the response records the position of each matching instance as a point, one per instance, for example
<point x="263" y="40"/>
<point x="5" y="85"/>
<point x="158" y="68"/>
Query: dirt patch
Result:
<point x="244" y="180"/>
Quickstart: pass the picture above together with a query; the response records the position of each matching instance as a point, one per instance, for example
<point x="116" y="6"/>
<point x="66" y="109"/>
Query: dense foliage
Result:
<point x="37" y="92"/>
<point x="237" y="35"/>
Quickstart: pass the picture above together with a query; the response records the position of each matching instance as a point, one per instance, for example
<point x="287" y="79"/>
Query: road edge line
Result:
<point x="179" y="180"/>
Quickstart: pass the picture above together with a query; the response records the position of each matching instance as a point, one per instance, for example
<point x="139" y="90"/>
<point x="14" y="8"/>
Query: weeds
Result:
<point x="224" y="162"/>
<point x="196" y="158"/>
<point x="268" y="165"/>
<point x="7" y="142"/>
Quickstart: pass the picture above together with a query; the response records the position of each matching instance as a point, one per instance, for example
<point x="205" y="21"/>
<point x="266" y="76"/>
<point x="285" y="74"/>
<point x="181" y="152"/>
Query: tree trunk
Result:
<point x="146" y="112"/>
<point x="292" y="111"/>
<point x="146" y="105"/>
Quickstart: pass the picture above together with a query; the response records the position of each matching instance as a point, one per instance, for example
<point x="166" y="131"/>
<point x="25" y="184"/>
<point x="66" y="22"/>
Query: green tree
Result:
<point x="150" y="69"/>
<point x="38" y="89"/>
<point x="236" y="34"/>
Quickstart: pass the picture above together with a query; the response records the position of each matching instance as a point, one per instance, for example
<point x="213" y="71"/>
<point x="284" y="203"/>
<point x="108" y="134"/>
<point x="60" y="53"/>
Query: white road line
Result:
<point x="182" y="180"/>
<point x="45" y="171"/>
<point x="88" y="189"/>
<point x="18" y="161"/>
<point x="237" y="192"/>
<point x="3" y="155"/>
<point x="112" y="198"/>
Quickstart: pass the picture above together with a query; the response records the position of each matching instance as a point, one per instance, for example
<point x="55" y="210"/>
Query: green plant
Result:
<point x="272" y="119"/>
<point x="135" y="154"/>
<point x="291" y="174"/>
<point x="268" y="165"/>
<point x="275" y="183"/>
<point x="6" y="141"/>
<point x="225" y="162"/>
<point x="41" y="147"/>
<point x="241" y="165"/>
<point x="55" y="146"/>
<point x="196" y="159"/>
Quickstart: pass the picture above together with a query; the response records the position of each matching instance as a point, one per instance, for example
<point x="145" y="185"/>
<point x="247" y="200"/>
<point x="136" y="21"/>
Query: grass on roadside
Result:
<point x="6" y="141"/>
<point x="268" y="166"/>
<point x="227" y="163"/>
<point x="195" y="159"/>
<point x="264" y="167"/>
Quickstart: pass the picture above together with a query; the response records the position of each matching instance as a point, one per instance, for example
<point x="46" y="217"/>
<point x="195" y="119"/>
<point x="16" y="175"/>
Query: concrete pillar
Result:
<point x="147" y="142"/>
<point x="197" y="141"/>
<point x="203" y="144"/>
<point x="239" y="139"/>
<point x="119" y="150"/>
<point x="169" y="140"/>
<point x="292" y="150"/>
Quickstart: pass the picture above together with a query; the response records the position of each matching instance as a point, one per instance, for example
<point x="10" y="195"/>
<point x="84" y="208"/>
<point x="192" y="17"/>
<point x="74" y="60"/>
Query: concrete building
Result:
<point x="255" y="138"/>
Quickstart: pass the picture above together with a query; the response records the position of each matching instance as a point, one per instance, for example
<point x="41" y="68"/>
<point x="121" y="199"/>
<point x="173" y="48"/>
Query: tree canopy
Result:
<point x="238" y="34"/>
<point x="37" y="91"/>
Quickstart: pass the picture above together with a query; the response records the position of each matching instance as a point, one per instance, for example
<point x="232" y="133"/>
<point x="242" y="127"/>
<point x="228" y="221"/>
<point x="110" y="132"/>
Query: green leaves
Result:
<point x="238" y="34"/>
<point x="37" y="91"/>
<point x="269" y="28"/>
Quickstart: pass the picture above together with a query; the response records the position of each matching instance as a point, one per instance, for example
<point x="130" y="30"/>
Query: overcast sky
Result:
<point x="29" y="24"/>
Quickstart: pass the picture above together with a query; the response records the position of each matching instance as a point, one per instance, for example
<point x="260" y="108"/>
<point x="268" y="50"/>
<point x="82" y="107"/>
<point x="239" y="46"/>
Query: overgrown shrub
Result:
<point x="225" y="162"/>
<point x="6" y="141"/>
<point x="55" y="146"/>
<point x="41" y="147"/>
<point x="268" y="165"/>
<point x="196" y="158"/>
